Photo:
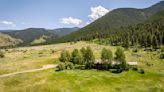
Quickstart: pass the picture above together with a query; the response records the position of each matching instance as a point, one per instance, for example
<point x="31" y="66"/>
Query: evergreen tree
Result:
<point x="154" y="43"/>
<point x="127" y="41"/>
<point x="148" y="40"/>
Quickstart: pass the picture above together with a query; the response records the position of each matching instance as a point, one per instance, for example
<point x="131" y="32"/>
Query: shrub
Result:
<point x="134" y="68"/>
<point x="52" y="51"/>
<point x="141" y="71"/>
<point x="1" y="54"/>
<point x="89" y="65"/>
<point x="82" y="67"/>
<point x="40" y="53"/>
<point x="65" y="56"/>
<point x="116" y="70"/>
<point x="135" y="50"/>
<point x="162" y="49"/>
<point x="61" y="66"/>
<point x="105" y="66"/>
<point x="162" y="56"/>
<point x="69" y="65"/>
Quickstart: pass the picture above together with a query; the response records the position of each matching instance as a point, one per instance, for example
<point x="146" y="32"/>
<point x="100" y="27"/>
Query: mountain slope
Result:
<point x="30" y="34"/>
<point x="38" y="35"/>
<point x="113" y="20"/>
<point x="149" y="34"/>
<point x="6" y="40"/>
<point x="64" y="31"/>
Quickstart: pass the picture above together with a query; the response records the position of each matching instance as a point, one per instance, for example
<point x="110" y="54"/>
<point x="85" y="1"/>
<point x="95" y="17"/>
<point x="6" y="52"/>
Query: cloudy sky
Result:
<point x="20" y="14"/>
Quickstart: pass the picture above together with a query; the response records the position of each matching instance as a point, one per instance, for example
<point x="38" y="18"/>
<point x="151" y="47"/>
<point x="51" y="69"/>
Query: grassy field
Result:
<point x="25" y="58"/>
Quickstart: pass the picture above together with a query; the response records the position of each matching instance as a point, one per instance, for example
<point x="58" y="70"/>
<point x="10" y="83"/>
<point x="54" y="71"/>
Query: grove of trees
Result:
<point x="85" y="57"/>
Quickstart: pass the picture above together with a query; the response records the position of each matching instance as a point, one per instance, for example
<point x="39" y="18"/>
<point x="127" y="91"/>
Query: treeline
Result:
<point x="85" y="59"/>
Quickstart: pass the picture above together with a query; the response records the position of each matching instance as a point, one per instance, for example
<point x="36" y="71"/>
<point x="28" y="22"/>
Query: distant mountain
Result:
<point x="30" y="34"/>
<point x="115" y="19"/>
<point x="6" y="40"/>
<point x="6" y="30"/>
<point x="34" y="36"/>
<point x="155" y="8"/>
<point x="64" y="31"/>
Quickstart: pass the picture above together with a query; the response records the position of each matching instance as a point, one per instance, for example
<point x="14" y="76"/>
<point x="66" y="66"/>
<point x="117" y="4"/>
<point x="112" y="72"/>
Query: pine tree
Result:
<point x="154" y="43"/>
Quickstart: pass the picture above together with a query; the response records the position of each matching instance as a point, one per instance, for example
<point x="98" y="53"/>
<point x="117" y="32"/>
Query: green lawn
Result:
<point x="78" y="80"/>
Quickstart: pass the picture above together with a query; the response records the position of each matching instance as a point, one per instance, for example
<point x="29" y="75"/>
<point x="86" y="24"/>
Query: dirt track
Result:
<point x="28" y="71"/>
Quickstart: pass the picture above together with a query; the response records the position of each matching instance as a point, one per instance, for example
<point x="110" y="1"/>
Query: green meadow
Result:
<point x="27" y="58"/>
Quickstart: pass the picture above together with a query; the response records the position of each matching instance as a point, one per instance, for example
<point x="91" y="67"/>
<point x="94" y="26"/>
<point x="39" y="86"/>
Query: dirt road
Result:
<point x="28" y="71"/>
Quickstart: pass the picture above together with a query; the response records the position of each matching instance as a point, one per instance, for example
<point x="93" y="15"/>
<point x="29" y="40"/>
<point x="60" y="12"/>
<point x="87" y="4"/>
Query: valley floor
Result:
<point x="27" y="58"/>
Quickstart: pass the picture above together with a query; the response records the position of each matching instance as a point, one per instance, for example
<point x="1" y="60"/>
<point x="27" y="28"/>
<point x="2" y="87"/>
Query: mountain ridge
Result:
<point x="30" y="35"/>
<point x="113" y="20"/>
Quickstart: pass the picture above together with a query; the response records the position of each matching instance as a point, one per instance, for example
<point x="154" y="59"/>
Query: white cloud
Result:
<point x="87" y="23"/>
<point x="8" y="23"/>
<point x="70" y="20"/>
<point x="97" y="12"/>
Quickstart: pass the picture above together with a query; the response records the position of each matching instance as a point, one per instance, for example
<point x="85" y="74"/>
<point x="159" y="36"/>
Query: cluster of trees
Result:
<point x="86" y="58"/>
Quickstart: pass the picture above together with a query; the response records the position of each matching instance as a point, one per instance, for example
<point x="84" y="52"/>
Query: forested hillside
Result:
<point x="106" y="25"/>
<point x="147" y="34"/>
